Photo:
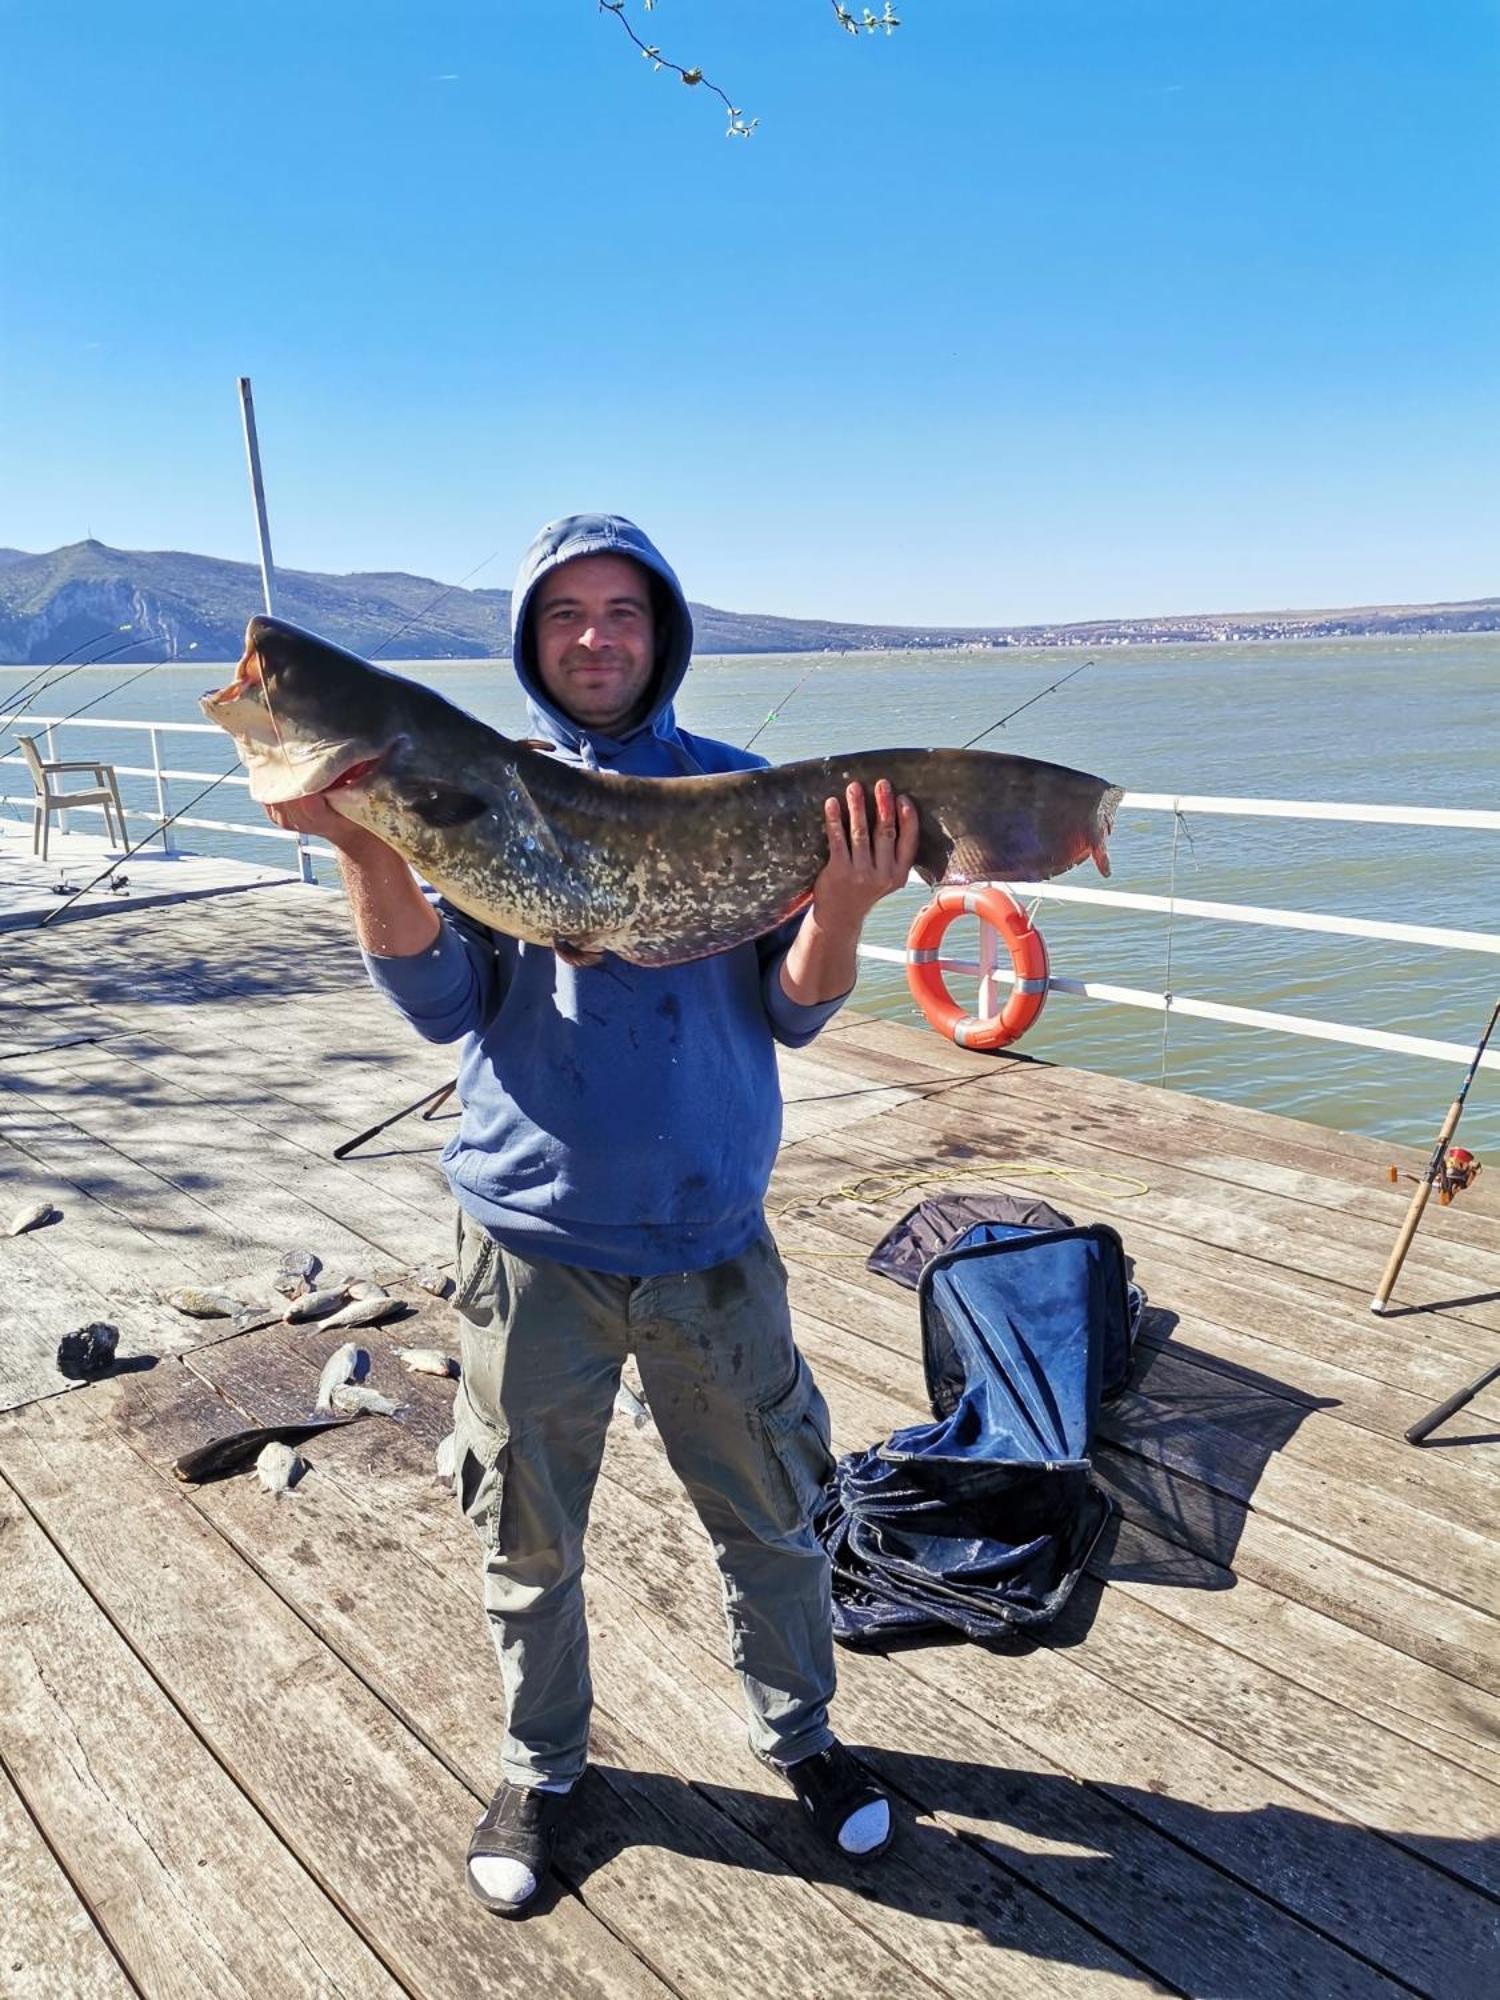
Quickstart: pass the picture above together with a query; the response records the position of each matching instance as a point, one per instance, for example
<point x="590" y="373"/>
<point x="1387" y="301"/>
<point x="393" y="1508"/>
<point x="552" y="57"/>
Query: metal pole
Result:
<point x="267" y="567"/>
<point x="258" y="491"/>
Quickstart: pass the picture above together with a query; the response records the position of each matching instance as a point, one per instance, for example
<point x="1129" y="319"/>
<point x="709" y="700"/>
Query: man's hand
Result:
<point x="864" y="863"/>
<point x="315" y="816"/>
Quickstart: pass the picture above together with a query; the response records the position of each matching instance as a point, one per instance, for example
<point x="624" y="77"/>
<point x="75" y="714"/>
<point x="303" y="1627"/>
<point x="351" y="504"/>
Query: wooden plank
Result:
<point x="1405" y="1696"/>
<point x="709" y="1928"/>
<point x="48" y="1942"/>
<point x="1181" y="1435"/>
<point x="195" y="1892"/>
<point x="56" y="1281"/>
<point x="1359" y="1671"/>
<point x="237" y="1172"/>
<point x="316" y="1104"/>
<point x="1375" y="1380"/>
<point x="935" y="1145"/>
<point x="695" y="1729"/>
<point x="1295" y="1560"/>
<point x="1391" y="1757"/>
<point x="382" y="1821"/>
<point x="1202" y="1207"/>
<point x="1355" y="1160"/>
<point x="1158" y="1756"/>
<point x="1298" y="1564"/>
<point x="1352" y="1156"/>
<point x="903" y="1165"/>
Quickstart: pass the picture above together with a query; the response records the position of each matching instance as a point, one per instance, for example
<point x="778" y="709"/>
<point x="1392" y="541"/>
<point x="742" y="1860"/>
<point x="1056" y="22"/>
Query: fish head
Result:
<point x="306" y="716"/>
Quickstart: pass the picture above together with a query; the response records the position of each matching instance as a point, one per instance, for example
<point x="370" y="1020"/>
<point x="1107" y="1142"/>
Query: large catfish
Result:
<point x="656" y="870"/>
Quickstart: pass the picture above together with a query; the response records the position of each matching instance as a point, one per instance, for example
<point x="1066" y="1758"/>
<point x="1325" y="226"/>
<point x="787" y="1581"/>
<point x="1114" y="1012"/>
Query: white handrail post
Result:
<point x="989" y="965"/>
<point x="163" y="805"/>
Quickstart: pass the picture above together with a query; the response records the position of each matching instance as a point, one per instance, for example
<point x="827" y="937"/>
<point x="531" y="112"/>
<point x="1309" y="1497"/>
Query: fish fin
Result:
<point x="437" y="804"/>
<point x="571" y="952"/>
<point x="535" y="743"/>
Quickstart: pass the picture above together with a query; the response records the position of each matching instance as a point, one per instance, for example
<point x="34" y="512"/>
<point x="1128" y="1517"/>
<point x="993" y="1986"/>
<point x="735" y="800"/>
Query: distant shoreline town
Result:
<point x="56" y="603"/>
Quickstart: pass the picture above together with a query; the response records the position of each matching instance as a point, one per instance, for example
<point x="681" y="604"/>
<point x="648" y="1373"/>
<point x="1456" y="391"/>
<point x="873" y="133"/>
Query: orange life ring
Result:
<point x="1028" y="955"/>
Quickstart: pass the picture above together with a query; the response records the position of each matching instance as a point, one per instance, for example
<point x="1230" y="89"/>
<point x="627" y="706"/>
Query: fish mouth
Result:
<point x="247" y="677"/>
<point x="288" y="757"/>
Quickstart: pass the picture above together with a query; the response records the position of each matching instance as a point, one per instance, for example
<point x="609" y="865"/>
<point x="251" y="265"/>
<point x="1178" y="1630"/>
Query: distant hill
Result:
<point x="51" y="604"/>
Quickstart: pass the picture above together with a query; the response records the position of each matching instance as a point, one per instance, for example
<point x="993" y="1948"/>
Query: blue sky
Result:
<point x="1038" y="309"/>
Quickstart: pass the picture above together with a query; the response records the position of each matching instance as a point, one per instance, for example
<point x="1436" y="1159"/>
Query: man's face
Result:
<point x="595" y="640"/>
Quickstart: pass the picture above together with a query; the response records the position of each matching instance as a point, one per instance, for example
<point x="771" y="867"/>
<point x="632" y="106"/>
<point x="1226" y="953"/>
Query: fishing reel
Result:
<point x="1458" y="1169"/>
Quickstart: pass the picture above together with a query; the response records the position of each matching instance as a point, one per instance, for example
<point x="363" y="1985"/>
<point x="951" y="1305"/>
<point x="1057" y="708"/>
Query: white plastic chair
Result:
<point x="49" y="800"/>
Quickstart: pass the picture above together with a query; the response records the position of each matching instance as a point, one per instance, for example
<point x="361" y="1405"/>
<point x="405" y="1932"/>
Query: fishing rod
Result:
<point x="109" y="693"/>
<point x="1024" y="705"/>
<point x="1436" y="1175"/>
<point x="418" y="616"/>
<point x="41" y="674"/>
<point x="786" y="699"/>
<point x="41" y="685"/>
<point x="38" y="685"/>
<point x="989" y="730"/>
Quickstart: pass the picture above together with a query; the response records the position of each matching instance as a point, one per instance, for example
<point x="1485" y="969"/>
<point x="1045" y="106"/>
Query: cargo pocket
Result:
<point x="797" y="1430"/>
<point x="479" y="1459"/>
<point x="474" y="1272"/>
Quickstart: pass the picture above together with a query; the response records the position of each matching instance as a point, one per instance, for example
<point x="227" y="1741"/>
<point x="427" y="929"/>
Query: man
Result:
<point x="619" y="1128"/>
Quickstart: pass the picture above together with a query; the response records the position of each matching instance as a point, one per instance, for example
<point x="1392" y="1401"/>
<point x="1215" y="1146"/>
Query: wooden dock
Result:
<point x="243" y="1740"/>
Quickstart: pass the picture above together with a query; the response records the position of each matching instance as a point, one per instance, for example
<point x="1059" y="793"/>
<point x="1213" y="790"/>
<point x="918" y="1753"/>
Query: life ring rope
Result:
<point x="1028" y="956"/>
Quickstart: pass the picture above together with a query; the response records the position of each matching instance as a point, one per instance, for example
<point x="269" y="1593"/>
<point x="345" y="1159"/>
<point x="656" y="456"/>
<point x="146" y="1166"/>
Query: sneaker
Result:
<point x="511" y="1850"/>
<point x="845" y="1805"/>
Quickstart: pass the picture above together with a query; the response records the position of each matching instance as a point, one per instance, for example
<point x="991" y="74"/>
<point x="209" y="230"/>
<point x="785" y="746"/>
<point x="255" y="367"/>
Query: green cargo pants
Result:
<point x="744" y="1428"/>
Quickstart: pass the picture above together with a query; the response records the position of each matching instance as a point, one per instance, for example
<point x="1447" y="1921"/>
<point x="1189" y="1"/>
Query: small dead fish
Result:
<point x="278" y="1468"/>
<point x="295" y="1273"/>
<point x="314" y="1305"/>
<point x="445" y="1459"/>
<point x="365" y="1288"/>
<point x="431" y="1279"/>
<point x="367" y="1312"/>
<point x="205" y="1305"/>
<point x="236" y="1450"/>
<point x="426" y="1360"/>
<point x="35" y="1217"/>
<point x="356" y="1396"/>
<point x="346" y="1364"/>
<point x="89" y="1351"/>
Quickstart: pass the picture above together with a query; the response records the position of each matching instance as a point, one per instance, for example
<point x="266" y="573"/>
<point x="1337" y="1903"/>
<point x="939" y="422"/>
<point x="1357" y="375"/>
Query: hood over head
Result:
<point x="602" y="535"/>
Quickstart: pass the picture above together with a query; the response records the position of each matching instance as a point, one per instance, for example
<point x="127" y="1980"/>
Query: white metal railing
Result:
<point x="994" y="975"/>
<point x="992" y="968"/>
<point x="162" y="774"/>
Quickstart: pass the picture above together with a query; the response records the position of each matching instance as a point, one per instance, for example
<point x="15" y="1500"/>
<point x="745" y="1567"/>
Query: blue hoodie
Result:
<point x="620" y="1117"/>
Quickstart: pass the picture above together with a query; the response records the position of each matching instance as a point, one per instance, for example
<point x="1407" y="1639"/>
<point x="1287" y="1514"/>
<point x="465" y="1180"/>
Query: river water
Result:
<point x="1367" y="721"/>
